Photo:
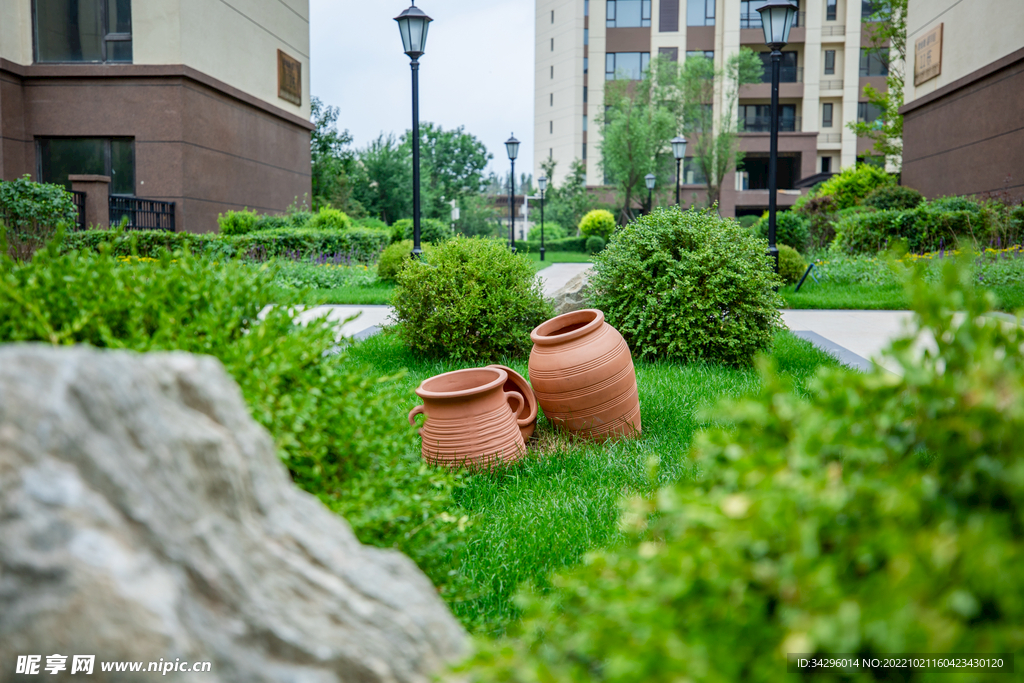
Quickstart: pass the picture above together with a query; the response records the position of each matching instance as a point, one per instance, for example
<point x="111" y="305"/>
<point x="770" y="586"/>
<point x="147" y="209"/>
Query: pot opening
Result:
<point x="461" y="381"/>
<point x="567" y="329"/>
<point x="568" y="326"/>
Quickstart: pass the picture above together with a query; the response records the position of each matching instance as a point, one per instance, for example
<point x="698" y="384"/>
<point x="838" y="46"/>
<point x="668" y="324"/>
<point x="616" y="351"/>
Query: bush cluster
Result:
<point x="791" y="264"/>
<point x="32" y="214"/>
<point x="595" y="243"/>
<point x="881" y="514"/>
<point x="330" y="219"/>
<point x="890" y="197"/>
<point x="688" y="286"/>
<point x="431" y="230"/>
<point x="598" y="222"/>
<point x="471" y="300"/>
<point x="237" y="222"/>
<point x="394" y="258"/>
<point x="791" y="229"/>
<point x="567" y="244"/>
<point x="552" y="231"/>
<point x="854" y="184"/>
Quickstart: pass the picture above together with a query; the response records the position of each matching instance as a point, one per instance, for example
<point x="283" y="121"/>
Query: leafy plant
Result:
<point x="269" y="222"/>
<point x="853" y="185"/>
<point x="394" y="258"/>
<point x="791" y="264"/>
<point x="330" y="219"/>
<point x="552" y="231"/>
<point x="893" y="197"/>
<point x="431" y="230"/>
<point x="791" y="229"/>
<point x="33" y="213"/>
<point x="598" y="222"/>
<point x="689" y="286"/>
<point x="237" y="222"/>
<point x="473" y="301"/>
<point x="595" y="243"/>
<point x="373" y="223"/>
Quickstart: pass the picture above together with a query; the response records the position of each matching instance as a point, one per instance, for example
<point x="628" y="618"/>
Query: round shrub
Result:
<point x="431" y="230"/>
<point x="31" y="214"/>
<point x="954" y="204"/>
<point x="268" y="222"/>
<point x="791" y="229"/>
<point x="854" y="184"/>
<point x="689" y="286"/>
<point x="330" y="219"/>
<point x="395" y="256"/>
<point x="237" y="222"/>
<point x="747" y="221"/>
<point x="371" y="222"/>
<point x="300" y="219"/>
<point x="595" y="243"/>
<point x="893" y="197"/>
<point x="791" y="264"/>
<point x="474" y="301"/>
<point x="552" y="231"/>
<point x="598" y="222"/>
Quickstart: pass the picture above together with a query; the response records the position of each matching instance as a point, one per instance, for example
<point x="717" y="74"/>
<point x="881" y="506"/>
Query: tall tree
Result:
<point x="568" y="203"/>
<point x="384" y="179"/>
<point x="332" y="161"/>
<point x="888" y="26"/>
<point x="452" y="166"/>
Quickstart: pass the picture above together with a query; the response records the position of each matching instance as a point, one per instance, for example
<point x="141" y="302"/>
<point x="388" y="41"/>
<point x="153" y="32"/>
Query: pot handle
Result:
<point x="510" y="395"/>
<point x="418" y="410"/>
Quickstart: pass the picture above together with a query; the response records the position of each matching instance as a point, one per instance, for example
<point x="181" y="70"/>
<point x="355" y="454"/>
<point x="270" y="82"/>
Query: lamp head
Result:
<point x="777" y="18"/>
<point x="512" y="147"/>
<point x="650" y="179"/>
<point x="679" y="147"/>
<point x="413" y="24"/>
<point x="542" y="183"/>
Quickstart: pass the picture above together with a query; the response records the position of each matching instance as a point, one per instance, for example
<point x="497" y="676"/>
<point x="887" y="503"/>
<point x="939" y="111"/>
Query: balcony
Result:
<point x="830" y="139"/>
<point x="832" y="84"/>
<point x="836" y="31"/>
<point x="763" y="124"/>
<point x="753" y="20"/>
<point x="787" y="74"/>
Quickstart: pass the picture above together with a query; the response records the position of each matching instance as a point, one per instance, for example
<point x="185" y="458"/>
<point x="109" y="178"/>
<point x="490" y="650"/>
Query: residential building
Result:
<point x="203" y="103"/>
<point x="963" y="98"/>
<point x="580" y="44"/>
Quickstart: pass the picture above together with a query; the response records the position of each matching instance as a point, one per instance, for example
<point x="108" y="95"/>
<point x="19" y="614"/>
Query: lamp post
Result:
<point x="512" y="147"/>
<point x="542" y="183"/>
<point x="650" y="179"/>
<point x="413" y="24"/>
<point x="777" y="17"/>
<point x="679" y="152"/>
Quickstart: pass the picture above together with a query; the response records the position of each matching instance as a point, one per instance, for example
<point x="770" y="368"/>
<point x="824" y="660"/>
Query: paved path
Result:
<point x="557" y="275"/>
<point x="855" y="337"/>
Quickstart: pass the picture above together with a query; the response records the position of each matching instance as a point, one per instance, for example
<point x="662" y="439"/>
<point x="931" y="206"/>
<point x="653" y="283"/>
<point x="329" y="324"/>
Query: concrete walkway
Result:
<point x="855" y="337"/>
<point x="557" y="275"/>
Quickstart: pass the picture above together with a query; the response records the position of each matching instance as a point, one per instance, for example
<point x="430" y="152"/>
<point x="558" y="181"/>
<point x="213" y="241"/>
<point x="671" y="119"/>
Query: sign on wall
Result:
<point x="289" y="78"/>
<point x="928" y="56"/>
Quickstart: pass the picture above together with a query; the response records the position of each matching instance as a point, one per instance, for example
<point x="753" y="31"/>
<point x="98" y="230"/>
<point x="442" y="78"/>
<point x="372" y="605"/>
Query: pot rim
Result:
<point x="500" y="378"/>
<point x="529" y="398"/>
<point x="542" y="336"/>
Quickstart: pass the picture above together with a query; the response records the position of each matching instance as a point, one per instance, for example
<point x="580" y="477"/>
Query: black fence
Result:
<point x="78" y="198"/>
<point x="142" y="214"/>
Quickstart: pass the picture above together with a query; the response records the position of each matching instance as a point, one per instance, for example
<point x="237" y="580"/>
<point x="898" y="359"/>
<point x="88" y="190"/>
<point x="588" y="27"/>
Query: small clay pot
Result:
<point x="471" y="419"/>
<point x="582" y="372"/>
<point x="527" y="417"/>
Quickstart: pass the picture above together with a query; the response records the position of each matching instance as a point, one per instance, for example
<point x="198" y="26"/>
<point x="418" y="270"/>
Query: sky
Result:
<point x="477" y="71"/>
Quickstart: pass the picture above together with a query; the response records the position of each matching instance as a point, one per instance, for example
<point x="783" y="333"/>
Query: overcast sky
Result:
<point x="477" y="71"/>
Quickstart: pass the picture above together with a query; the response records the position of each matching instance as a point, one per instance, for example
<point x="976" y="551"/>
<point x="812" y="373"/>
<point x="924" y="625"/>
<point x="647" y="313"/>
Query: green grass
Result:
<point x="546" y="512"/>
<point x="881" y="297"/>
<point x="551" y="257"/>
<point x="378" y="293"/>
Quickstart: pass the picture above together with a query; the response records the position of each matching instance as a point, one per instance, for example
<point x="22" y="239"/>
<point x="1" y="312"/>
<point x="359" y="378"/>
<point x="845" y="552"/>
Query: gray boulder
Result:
<point x="573" y="296"/>
<point x="144" y="515"/>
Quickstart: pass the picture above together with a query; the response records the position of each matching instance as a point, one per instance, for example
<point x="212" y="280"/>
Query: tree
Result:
<point x="384" y="182"/>
<point x="889" y="43"/>
<point x="332" y="161"/>
<point x="452" y="164"/>
<point x="567" y="204"/>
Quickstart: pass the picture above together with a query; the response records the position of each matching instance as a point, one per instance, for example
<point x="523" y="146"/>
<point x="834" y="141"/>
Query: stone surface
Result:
<point x="573" y="296"/>
<point x="145" y="515"/>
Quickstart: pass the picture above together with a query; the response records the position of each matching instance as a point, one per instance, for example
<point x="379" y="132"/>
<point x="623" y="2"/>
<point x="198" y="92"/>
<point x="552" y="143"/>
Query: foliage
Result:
<point x="333" y="163"/>
<point x="452" y="163"/>
<point x="850" y="187"/>
<point x="791" y="264"/>
<point x="237" y="222"/>
<point x="318" y="273"/>
<point x="383" y="183"/>
<point x="394" y="258"/>
<point x="890" y="197"/>
<point x="552" y="231"/>
<point x="821" y="216"/>
<point x="882" y="515"/>
<point x="689" y="286"/>
<point x="595" y="243"/>
<point x="791" y="229"/>
<point x="566" y="204"/>
<point x="269" y="222"/>
<point x="33" y="213"/>
<point x="299" y="218"/>
<point x="431" y="230"/>
<point x="475" y="300"/>
<point x="598" y="222"/>
<point x="370" y="222"/>
<point x="747" y="221"/>
<point x="478" y="217"/>
<point x="330" y="219"/>
<point x="578" y="244"/>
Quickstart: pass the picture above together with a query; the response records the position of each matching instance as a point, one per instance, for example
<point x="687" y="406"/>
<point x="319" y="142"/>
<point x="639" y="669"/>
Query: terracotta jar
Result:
<point x="527" y="417"/>
<point x="471" y="419"/>
<point x="582" y="373"/>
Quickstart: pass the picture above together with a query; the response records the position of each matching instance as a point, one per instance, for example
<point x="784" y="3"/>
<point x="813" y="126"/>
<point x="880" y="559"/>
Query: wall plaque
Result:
<point x="928" y="56"/>
<point x="289" y="79"/>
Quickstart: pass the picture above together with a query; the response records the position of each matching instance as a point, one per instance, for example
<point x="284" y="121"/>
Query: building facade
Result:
<point x="197" y="102"/>
<point x="963" y="98"/>
<point x="581" y="44"/>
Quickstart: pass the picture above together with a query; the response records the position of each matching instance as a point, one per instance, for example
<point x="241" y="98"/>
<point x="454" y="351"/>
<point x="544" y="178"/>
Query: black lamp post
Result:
<point x="413" y="24"/>
<point x="650" y="179"/>
<point x="777" y="17"/>
<point x="679" y="152"/>
<point x="512" y="147"/>
<point x="542" y="183"/>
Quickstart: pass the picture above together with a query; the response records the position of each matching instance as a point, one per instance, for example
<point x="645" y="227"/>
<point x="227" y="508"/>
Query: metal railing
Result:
<point x="142" y="214"/>
<point x="753" y="19"/>
<point x="830" y="138"/>
<point x="787" y="74"/>
<point x="78" y="199"/>
<point x="838" y="30"/>
<point x="832" y="84"/>
<point x="763" y="124"/>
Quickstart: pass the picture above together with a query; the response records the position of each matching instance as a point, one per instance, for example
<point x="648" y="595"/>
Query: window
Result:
<point x="826" y="115"/>
<point x="551" y="127"/>
<point x="552" y="16"/>
<point x="629" y="66"/>
<point x="756" y="118"/>
<point x="584" y="151"/>
<point x="584" y="94"/>
<point x="826" y="164"/>
<point x="114" y="157"/>
<point x="586" y="36"/>
<point x="586" y="8"/>
<point x="703" y="54"/>
<point x="586" y="65"/>
<point x="552" y="71"/>
<point x="584" y="123"/>
<point x="668" y="21"/>
<point x="749" y="16"/>
<point x="788" y="72"/>
<point x="628" y="13"/>
<point x="551" y="99"/>
<point x="830" y="13"/>
<point x="83" y="30"/>
<point x="868" y="112"/>
<point x="830" y="62"/>
<point x="669" y="53"/>
<point x="874" y="61"/>
<point x="692" y="173"/>
<point x="551" y="152"/>
<point x="867" y="8"/>
<point x="700" y="12"/>
<point x="552" y="44"/>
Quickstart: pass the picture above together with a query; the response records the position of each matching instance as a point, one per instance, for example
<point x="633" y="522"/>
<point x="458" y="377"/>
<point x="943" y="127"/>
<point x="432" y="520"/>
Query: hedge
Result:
<point x="566" y="244"/>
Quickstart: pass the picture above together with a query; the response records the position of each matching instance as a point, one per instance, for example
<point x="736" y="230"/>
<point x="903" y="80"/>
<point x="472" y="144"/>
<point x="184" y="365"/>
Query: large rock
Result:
<point x="573" y="296"/>
<point x="145" y="515"/>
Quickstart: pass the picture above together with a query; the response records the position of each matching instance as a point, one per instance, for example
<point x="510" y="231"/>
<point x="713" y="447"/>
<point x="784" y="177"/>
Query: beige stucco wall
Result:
<point x="16" y="31"/>
<point x="974" y="34"/>
<point x="558" y="126"/>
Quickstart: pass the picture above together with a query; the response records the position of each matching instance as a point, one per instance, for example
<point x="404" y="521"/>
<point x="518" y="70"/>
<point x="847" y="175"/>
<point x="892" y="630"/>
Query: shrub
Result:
<point x="890" y="197"/>
<point x="791" y="229"/>
<point x="370" y="222"/>
<point x="330" y="219"/>
<point x="791" y="264"/>
<point x="431" y="230"/>
<point x="394" y="258"/>
<point x="300" y="219"/>
<point x="850" y="187"/>
<point x="955" y="204"/>
<point x="929" y="227"/>
<point x="474" y="301"/>
<point x="237" y="222"/>
<point x="595" y="243"/>
<point x="33" y="213"/>
<point x="598" y="222"/>
<point x="690" y="286"/>
<point x="567" y="244"/>
<point x="552" y="231"/>
<point x="882" y="515"/>
<point x="268" y="222"/>
<point x="747" y="221"/>
<point x="820" y="213"/>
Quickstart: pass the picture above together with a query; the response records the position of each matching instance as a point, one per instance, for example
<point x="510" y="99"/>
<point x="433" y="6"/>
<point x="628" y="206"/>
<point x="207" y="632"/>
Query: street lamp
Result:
<point x="542" y="183"/>
<point x="650" y="179"/>
<point x="777" y="17"/>
<point x="679" y="152"/>
<point x="512" y="147"/>
<point x="413" y="24"/>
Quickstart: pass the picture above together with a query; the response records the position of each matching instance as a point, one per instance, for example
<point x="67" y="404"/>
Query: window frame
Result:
<point x="108" y="37"/>
<point x="611" y="13"/>
<point x="644" y="65"/>
<point x="830" y="70"/>
<point x="866" y="55"/>
<point x="108" y="156"/>
<point x="709" y="19"/>
<point x="831" y="9"/>
<point x="827" y="115"/>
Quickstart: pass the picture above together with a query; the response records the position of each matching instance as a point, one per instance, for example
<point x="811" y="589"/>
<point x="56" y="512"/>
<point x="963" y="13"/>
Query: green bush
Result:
<point x="370" y="222"/>
<point x="329" y="219"/>
<point x="567" y="244"/>
<point x="33" y="213"/>
<point x="955" y="203"/>
<point x="595" y="243"/>
<point x="881" y="514"/>
<point x="269" y="222"/>
<point x="394" y="258"/>
<point x="598" y="222"/>
<point x="300" y="219"/>
<point x="431" y="230"/>
<point x="854" y="184"/>
<point x="237" y="222"/>
<point x="552" y="231"/>
<point x="891" y="197"/>
<point x="791" y="229"/>
<point x="821" y="214"/>
<point x="791" y="264"/>
<point x="474" y="301"/>
<point x="689" y="286"/>
<point x="747" y="221"/>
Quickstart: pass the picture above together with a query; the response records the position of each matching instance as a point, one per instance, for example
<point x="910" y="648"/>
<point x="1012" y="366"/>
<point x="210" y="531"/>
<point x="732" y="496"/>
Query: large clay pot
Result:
<point x="582" y="372"/>
<point x="471" y="419"/>
<point x="527" y="417"/>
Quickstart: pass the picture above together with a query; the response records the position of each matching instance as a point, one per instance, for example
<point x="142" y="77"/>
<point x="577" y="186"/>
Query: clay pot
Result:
<point x="582" y="373"/>
<point x="471" y="419"/>
<point x="527" y="417"/>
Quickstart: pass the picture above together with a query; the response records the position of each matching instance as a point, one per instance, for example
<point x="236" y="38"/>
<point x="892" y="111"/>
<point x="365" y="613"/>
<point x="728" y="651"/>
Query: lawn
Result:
<point x="546" y="512"/>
